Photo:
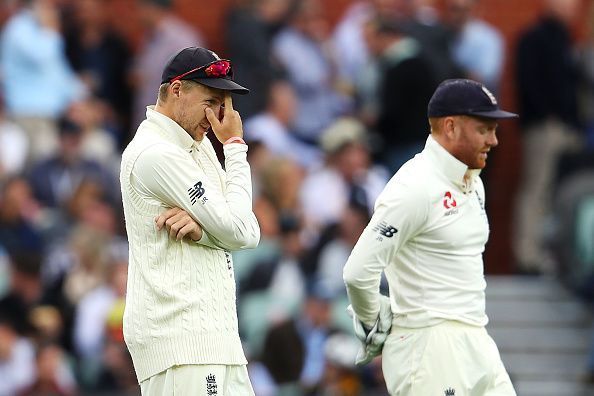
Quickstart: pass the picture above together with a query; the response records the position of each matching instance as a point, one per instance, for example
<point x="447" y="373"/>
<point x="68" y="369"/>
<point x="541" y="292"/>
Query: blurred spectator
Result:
<point x="281" y="181"/>
<point x="17" y="360"/>
<point x="37" y="79"/>
<point x="349" y="43"/>
<point x="4" y="271"/>
<point x="97" y="143"/>
<point x="335" y="253"/>
<point x="258" y="157"/>
<point x="294" y="349"/>
<point x="91" y="331"/>
<point x="274" y="288"/>
<point x="253" y="67"/>
<point x="303" y="50"/>
<point x="347" y="176"/>
<point x="272" y="127"/>
<point x="587" y="86"/>
<point x="547" y="87"/>
<point x="54" y="180"/>
<point x="165" y="35"/>
<point x="25" y="292"/>
<point x="281" y="276"/>
<point x="349" y="35"/>
<point x="92" y="311"/>
<point x="14" y="147"/>
<point x="47" y="322"/>
<point x="85" y="211"/>
<point x="341" y="375"/>
<point x="54" y="374"/>
<point x="419" y="18"/>
<point x="404" y="85"/>
<point x="477" y="47"/>
<point x="117" y="374"/>
<point x="90" y="265"/>
<point x="19" y="231"/>
<point x="102" y="58"/>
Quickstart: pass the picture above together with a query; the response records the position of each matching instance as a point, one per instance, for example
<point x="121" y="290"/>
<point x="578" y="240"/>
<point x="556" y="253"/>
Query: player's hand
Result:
<point x="372" y="337"/>
<point x="230" y="123"/>
<point x="179" y="224"/>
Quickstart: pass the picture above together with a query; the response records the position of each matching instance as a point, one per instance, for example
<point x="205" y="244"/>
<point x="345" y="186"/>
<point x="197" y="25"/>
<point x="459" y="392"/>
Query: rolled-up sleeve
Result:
<point x="170" y="175"/>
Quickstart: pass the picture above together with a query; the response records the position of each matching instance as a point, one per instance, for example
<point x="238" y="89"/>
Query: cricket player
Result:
<point x="184" y="215"/>
<point x="428" y="234"/>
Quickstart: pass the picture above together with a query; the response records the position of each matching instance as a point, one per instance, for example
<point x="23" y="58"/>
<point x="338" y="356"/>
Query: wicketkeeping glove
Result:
<point x="372" y="341"/>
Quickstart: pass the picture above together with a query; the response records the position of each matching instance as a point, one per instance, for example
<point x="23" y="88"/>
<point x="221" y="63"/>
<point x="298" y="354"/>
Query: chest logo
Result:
<point x="450" y="392"/>
<point x="195" y="192"/>
<point x="448" y="201"/>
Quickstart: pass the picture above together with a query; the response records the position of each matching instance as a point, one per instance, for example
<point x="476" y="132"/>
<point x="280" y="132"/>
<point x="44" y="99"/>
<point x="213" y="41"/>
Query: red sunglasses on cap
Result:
<point x="217" y="69"/>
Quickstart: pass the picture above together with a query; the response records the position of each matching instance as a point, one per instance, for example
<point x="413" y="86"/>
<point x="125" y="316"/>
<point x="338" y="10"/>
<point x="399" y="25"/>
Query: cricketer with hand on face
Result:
<point x="184" y="215"/>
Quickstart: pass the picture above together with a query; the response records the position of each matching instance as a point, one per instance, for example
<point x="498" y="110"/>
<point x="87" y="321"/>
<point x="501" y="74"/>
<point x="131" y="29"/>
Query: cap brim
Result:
<point x="495" y="114"/>
<point x="224" y="84"/>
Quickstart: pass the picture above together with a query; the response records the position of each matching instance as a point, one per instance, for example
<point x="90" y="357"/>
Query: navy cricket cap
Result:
<point x="465" y="97"/>
<point x="203" y="66"/>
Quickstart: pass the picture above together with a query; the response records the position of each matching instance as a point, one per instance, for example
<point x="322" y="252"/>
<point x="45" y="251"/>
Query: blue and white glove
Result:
<point x="372" y="340"/>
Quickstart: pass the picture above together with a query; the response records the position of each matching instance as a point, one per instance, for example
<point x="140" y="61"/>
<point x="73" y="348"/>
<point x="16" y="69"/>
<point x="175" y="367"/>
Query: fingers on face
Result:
<point x="211" y="117"/>
<point x="228" y="102"/>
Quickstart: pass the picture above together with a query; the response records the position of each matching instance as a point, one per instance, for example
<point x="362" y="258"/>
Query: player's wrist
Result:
<point x="234" y="139"/>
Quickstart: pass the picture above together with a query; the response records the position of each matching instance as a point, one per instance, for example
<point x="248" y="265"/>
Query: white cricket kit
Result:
<point x="180" y="299"/>
<point x="428" y="233"/>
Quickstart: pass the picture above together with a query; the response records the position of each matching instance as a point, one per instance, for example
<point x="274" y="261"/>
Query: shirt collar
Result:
<point x="174" y="132"/>
<point x="452" y="168"/>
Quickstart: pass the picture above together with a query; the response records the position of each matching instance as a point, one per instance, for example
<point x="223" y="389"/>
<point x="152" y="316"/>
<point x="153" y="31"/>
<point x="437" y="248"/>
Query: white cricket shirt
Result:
<point x="180" y="300"/>
<point x="428" y="234"/>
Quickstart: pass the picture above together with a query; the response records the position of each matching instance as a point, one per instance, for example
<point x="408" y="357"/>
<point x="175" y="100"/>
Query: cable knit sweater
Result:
<point x="180" y="302"/>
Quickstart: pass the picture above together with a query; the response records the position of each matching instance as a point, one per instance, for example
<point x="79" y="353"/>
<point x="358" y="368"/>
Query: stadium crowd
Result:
<point x="334" y="111"/>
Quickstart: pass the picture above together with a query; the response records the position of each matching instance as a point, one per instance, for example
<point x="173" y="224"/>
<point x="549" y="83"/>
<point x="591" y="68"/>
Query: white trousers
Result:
<point x="450" y="358"/>
<point x="199" y="380"/>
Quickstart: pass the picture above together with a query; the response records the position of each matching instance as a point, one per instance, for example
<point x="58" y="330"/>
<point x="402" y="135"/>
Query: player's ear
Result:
<point x="175" y="88"/>
<point x="449" y="125"/>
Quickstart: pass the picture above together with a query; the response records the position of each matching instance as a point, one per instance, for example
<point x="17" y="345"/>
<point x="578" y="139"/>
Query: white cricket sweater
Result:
<point x="427" y="233"/>
<point x="180" y="301"/>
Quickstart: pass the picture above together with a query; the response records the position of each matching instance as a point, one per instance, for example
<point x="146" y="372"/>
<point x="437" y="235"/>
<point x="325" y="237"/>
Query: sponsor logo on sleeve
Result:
<point x="385" y="230"/>
<point x="196" y="192"/>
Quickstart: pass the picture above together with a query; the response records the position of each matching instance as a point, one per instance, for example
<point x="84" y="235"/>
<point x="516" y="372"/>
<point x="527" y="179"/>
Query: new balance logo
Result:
<point x="385" y="229"/>
<point x="211" y="385"/>
<point x="196" y="191"/>
<point x="449" y="392"/>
